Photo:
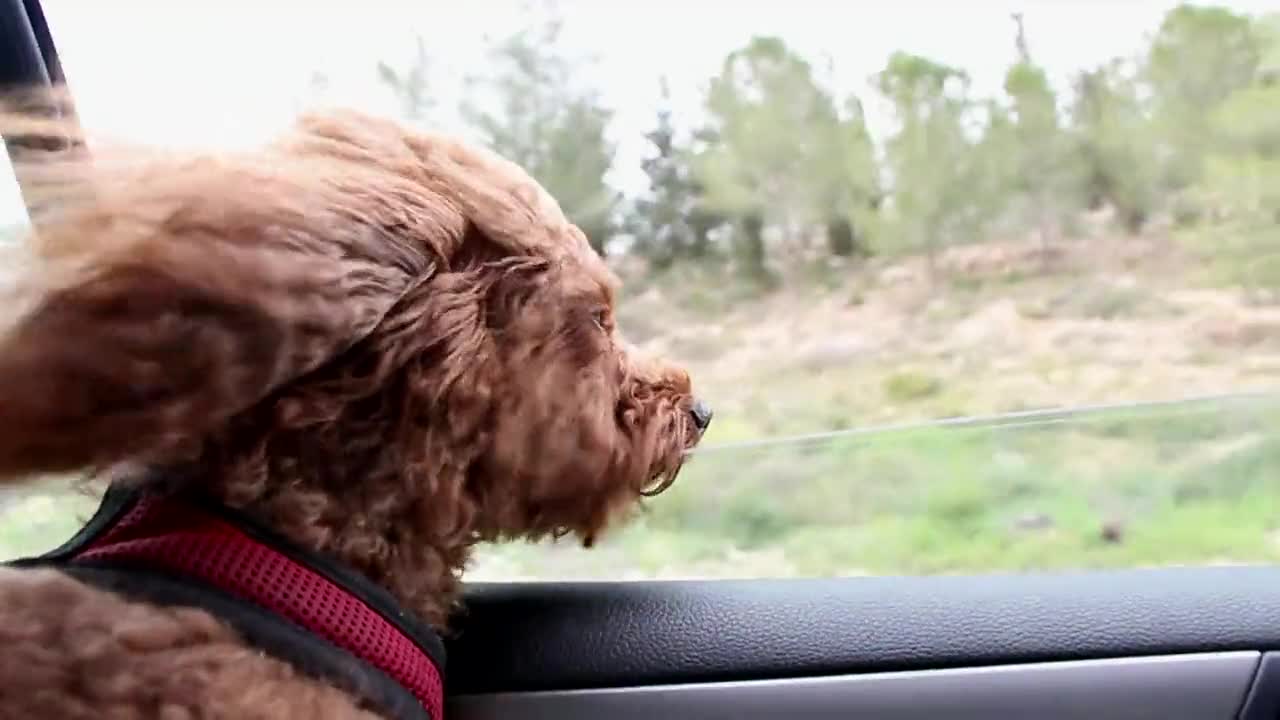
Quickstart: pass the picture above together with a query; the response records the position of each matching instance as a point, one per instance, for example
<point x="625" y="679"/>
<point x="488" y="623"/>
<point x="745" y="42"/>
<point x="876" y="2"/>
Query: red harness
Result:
<point x="209" y="549"/>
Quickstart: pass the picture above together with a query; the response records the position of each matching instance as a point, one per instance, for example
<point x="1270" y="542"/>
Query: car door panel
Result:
<point x="1169" y="687"/>
<point x="686" y="647"/>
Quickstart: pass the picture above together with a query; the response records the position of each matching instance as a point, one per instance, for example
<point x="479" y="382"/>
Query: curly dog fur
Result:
<point x="384" y="344"/>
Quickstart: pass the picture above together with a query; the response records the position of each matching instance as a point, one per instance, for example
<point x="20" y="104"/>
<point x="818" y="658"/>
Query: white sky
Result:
<point x="229" y="72"/>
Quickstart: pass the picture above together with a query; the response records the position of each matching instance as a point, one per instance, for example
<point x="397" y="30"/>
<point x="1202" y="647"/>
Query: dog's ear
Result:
<point x="171" y="293"/>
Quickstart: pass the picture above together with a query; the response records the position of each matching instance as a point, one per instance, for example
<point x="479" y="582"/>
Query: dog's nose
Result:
<point x="701" y="413"/>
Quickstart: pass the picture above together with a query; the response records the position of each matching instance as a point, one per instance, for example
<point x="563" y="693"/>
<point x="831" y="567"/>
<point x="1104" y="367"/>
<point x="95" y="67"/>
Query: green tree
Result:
<point x="932" y="161"/>
<point x="763" y="95"/>
<point x="1268" y="35"/>
<point x="1039" y="172"/>
<point x="1246" y="162"/>
<point x="845" y="181"/>
<point x="1114" y="141"/>
<point x="1199" y="57"/>
<point x="996" y="159"/>
<point x="777" y="154"/>
<point x="1241" y="185"/>
<point x="671" y="221"/>
<point x="529" y="109"/>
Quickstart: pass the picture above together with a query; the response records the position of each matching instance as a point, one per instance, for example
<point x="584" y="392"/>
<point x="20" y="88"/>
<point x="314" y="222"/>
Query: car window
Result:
<point x="967" y="293"/>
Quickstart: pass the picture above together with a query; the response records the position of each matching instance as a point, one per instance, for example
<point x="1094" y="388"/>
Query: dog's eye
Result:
<point x="600" y="317"/>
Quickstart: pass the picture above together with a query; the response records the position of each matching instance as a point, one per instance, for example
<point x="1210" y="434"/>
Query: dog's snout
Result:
<point x="701" y="413"/>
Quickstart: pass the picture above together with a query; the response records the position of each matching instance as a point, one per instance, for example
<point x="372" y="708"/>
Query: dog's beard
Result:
<point x="670" y="458"/>
<point x="667" y="450"/>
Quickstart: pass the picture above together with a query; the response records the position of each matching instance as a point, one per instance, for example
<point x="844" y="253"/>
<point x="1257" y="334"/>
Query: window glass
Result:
<point x="966" y="292"/>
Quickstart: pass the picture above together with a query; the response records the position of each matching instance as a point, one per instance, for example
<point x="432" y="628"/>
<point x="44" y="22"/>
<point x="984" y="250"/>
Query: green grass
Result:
<point x="1183" y="484"/>
<point x="906" y="386"/>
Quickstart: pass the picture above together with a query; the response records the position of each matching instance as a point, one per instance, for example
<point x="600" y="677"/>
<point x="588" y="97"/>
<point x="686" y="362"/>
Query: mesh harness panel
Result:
<point x="172" y="538"/>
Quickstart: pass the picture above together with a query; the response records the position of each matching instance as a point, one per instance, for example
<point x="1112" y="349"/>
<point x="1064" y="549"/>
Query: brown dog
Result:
<point x="383" y="345"/>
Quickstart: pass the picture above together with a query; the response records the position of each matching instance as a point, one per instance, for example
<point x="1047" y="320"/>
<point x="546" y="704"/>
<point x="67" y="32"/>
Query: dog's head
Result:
<point x="578" y="425"/>
<point x="379" y="339"/>
<point x="515" y="378"/>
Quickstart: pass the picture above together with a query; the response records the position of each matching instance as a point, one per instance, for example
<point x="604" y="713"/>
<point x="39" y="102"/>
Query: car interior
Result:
<point x="1193" y="642"/>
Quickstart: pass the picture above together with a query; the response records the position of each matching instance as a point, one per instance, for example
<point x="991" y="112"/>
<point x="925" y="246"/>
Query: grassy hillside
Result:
<point x="1001" y="329"/>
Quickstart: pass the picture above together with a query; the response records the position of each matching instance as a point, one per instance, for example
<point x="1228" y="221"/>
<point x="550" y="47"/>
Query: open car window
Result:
<point x="963" y="302"/>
